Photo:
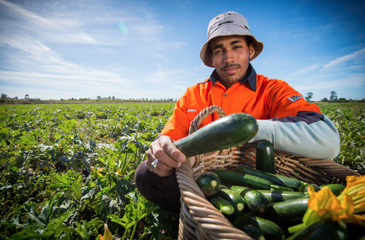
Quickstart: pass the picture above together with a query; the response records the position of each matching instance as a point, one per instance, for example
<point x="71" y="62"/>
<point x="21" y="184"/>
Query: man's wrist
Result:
<point x="265" y="132"/>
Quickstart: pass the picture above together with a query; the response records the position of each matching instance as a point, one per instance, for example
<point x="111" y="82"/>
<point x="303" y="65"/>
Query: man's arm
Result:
<point x="309" y="134"/>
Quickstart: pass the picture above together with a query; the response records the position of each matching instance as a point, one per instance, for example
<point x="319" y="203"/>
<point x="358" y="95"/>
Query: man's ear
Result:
<point x="252" y="51"/>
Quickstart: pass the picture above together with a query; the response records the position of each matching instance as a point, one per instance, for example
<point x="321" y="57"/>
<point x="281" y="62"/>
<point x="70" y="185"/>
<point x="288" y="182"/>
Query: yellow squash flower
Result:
<point x="100" y="172"/>
<point x="355" y="188"/>
<point x="107" y="234"/>
<point x="325" y="205"/>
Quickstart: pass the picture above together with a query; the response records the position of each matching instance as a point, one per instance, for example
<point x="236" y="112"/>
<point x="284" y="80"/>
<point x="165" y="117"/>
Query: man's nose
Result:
<point x="228" y="56"/>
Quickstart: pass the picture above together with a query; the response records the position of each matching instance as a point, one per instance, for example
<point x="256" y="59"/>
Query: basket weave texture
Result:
<point x="199" y="219"/>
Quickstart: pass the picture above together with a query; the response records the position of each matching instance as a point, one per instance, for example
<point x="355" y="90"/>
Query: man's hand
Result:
<point x="166" y="153"/>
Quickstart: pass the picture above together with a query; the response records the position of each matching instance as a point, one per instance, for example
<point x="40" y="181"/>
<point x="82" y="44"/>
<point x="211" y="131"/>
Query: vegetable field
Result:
<point x="67" y="169"/>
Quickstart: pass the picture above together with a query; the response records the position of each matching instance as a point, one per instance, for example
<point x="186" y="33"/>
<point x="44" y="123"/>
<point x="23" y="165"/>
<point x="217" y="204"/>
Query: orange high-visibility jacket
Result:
<point x="284" y="117"/>
<point x="272" y="99"/>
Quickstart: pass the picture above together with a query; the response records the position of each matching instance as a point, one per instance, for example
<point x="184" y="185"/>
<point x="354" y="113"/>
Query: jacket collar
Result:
<point x="250" y="77"/>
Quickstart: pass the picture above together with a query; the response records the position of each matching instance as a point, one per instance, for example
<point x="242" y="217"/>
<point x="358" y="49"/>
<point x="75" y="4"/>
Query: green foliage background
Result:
<point x="67" y="169"/>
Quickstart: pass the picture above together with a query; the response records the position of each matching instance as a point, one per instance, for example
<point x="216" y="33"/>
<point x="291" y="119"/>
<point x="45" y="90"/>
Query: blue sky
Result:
<point x="150" y="49"/>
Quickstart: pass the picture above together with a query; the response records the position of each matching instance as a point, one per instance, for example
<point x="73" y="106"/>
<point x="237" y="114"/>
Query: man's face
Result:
<point x="231" y="57"/>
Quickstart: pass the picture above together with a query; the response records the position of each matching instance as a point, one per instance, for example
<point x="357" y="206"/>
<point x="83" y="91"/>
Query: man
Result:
<point x="284" y="117"/>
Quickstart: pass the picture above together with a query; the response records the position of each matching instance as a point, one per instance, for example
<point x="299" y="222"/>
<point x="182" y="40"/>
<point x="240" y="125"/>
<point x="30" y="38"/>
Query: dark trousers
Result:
<point x="163" y="191"/>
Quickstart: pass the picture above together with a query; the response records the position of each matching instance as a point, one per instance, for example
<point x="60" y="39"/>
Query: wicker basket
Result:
<point x="199" y="219"/>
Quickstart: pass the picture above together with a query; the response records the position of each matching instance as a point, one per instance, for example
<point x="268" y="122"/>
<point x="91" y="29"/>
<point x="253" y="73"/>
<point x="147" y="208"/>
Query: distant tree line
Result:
<point x="332" y="98"/>
<point x="27" y="100"/>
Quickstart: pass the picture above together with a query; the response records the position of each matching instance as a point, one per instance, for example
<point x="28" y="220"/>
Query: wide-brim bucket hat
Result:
<point x="228" y="24"/>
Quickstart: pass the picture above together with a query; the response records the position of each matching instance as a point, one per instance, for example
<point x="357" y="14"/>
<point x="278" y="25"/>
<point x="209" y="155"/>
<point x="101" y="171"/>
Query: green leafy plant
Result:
<point x="67" y="169"/>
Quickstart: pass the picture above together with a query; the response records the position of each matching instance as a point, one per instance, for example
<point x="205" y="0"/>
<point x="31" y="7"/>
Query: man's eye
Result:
<point x="218" y="51"/>
<point x="235" y="47"/>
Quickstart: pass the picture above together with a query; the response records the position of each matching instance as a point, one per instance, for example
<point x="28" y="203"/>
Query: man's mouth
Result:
<point x="230" y="68"/>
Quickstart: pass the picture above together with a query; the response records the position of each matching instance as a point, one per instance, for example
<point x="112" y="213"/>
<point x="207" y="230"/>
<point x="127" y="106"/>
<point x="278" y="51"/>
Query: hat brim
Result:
<point x="204" y="55"/>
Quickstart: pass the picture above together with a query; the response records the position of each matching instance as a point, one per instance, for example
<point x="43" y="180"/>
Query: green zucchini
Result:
<point x="265" y="156"/>
<point x="335" y="188"/>
<point x="255" y="200"/>
<point x="237" y="178"/>
<point x="279" y="196"/>
<point x="253" y="232"/>
<point x="289" y="210"/>
<point x="209" y="183"/>
<point x="331" y="230"/>
<point x="274" y="178"/>
<point x="305" y="186"/>
<point x="240" y="189"/>
<point x="281" y="188"/>
<point x="269" y="229"/>
<point x="231" y="130"/>
<point x="234" y="198"/>
<point x="271" y="195"/>
<point x="222" y="205"/>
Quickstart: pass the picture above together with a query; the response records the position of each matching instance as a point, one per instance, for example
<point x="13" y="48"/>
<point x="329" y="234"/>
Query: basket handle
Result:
<point x="198" y="217"/>
<point x="194" y="125"/>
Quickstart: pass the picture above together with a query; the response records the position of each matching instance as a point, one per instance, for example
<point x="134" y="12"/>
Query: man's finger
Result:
<point x="170" y="148"/>
<point x="164" y="157"/>
<point x="160" y="168"/>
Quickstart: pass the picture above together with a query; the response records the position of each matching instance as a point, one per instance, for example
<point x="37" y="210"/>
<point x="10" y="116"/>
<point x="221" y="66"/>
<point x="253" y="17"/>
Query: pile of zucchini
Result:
<point x="258" y="201"/>
<point x="264" y="204"/>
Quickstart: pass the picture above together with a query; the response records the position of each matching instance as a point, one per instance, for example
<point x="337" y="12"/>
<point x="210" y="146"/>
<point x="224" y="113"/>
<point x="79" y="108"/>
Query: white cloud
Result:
<point x="29" y="54"/>
<point x="33" y="62"/>
<point x="51" y="29"/>
<point x="345" y="73"/>
<point x="335" y="84"/>
<point x="23" y="12"/>
<point x="91" y="25"/>
<point x="307" y="70"/>
<point x="346" y="58"/>
<point x="324" y="82"/>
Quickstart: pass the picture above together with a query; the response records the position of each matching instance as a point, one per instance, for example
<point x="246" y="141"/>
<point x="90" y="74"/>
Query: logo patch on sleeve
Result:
<point x="295" y="98"/>
<point x="191" y="110"/>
